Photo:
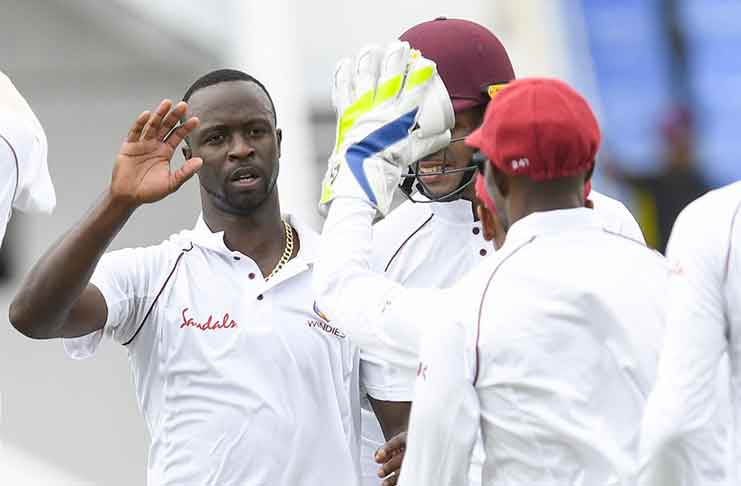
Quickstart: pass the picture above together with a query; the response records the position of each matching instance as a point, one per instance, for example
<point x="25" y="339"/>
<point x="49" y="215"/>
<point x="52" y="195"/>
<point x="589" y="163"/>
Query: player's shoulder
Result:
<point x="606" y="202"/>
<point x="152" y="256"/>
<point x="394" y="230"/>
<point x="406" y="215"/>
<point x="616" y="217"/>
<point x="707" y="220"/>
<point x="722" y="203"/>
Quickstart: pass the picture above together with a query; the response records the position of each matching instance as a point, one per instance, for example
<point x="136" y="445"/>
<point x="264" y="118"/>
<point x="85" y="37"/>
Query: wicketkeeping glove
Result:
<point x="392" y="110"/>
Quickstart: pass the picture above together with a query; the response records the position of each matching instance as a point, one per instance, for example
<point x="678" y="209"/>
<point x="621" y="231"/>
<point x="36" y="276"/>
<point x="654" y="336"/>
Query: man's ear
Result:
<point x="492" y="227"/>
<point x="486" y="222"/>
<point x="279" y="136"/>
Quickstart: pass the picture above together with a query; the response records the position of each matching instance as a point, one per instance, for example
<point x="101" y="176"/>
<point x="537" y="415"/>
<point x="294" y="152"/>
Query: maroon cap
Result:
<point x="539" y="127"/>
<point x="469" y="58"/>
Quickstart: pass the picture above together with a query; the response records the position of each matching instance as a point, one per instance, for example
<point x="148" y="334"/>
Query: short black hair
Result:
<point x="224" y="75"/>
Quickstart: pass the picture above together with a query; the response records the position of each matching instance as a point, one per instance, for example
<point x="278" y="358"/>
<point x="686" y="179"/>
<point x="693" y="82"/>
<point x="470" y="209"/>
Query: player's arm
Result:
<point x="445" y="414"/>
<point x="392" y="109"/>
<point x="393" y="416"/>
<point x="382" y="317"/>
<point x="683" y="401"/>
<point x="56" y="299"/>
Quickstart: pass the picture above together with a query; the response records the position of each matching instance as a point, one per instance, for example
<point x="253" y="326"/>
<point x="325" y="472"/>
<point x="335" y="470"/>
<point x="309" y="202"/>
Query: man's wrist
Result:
<point x="117" y="204"/>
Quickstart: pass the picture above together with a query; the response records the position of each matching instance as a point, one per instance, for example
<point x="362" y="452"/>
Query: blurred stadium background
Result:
<point x="663" y="76"/>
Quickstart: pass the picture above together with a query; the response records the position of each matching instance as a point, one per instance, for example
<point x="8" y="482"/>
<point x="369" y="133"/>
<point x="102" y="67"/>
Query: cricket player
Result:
<point x="603" y="352"/>
<point x="703" y="325"/>
<point x="239" y="381"/>
<point x="409" y="244"/>
<point x="25" y="184"/>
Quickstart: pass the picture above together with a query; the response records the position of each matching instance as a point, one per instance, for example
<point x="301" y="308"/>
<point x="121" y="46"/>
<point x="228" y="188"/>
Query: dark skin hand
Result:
<point x="394" y="420"/>
<point x="390" y="456"/>
<point x="56" y="299"/>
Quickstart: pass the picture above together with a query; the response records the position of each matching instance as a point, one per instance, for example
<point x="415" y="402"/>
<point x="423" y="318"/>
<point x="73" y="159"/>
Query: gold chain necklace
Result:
<point x="287" y="251"/>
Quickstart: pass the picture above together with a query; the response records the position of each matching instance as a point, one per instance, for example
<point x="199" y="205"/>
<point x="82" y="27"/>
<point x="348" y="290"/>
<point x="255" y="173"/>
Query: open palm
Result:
<point x="143" y="173"/>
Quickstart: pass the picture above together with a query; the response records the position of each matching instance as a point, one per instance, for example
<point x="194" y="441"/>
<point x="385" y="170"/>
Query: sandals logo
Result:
<point x="209" y="324"/>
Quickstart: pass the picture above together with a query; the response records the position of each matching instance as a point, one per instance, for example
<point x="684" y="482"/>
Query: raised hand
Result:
<point x="392" y="109"/>
<point x="142" y="173"/>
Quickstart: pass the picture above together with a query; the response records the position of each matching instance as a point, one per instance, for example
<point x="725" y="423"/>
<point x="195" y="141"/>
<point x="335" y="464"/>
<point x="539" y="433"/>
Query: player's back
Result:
<point x="568" y="338"/>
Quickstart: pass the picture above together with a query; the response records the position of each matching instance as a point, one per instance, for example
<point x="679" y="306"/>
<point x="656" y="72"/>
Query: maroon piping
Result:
<point x="17" y="168"/>
<point x="483" y="296"/>
<point x="151" y="307"/>
<point x="406" y="241"/>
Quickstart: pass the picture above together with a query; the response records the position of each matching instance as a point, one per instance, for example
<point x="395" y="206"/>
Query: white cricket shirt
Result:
<point x="239" y="381"/>
<point x="23" y="152"/>
<point x="704" y="324"/>
<point x="388" y="320"/>
<point x="433" y="245"/>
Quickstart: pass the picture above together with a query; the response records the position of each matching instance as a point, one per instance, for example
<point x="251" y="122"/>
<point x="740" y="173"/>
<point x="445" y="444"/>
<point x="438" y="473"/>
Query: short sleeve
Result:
<point x="23" y="131"/>
<point x="129" y="280"/>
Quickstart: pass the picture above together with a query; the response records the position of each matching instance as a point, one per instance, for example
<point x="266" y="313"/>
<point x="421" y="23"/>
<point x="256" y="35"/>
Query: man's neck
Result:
<point x="258" y="234"/>
<point x="469" y="194"/>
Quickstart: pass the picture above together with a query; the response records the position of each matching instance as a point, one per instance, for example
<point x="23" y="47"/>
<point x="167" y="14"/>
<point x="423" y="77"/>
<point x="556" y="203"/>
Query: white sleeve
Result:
<point x="441" y="437"/>
<point x="680" y="409"/>
<point x="8" y="181"/>
<point x="22" y="129"/>
<point x="129" y="280"/>
<point x="382" y="317"/>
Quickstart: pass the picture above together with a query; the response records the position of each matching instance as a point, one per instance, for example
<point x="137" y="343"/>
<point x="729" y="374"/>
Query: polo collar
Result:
<point x="202" y="236"/>
<point x="459" y="211"/>
<point x="549" y="222"/>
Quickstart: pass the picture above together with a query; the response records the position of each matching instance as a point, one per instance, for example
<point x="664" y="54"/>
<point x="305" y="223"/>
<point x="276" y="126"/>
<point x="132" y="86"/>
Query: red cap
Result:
<point x="469" y="58"/>
<point x="538" y="127"/>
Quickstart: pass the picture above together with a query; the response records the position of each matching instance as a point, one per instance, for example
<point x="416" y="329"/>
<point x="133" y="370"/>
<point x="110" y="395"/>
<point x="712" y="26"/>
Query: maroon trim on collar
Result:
<point x="396" y="253"/>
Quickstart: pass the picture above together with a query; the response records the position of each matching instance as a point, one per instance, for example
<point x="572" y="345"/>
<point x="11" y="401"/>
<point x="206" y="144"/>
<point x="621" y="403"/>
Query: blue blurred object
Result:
<point x="632" y="65"/>
<point x="712" y="33"/>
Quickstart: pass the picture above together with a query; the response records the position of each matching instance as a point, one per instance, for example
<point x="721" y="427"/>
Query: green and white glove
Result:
<point x="392" y="110"/>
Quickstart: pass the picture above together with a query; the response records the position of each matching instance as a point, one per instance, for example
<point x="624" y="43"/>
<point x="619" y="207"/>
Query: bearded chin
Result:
<point x="225" y="202"/>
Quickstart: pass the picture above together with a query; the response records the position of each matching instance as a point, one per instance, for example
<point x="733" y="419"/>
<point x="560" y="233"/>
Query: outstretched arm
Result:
<point x="380" y="315"/>
<point x="56" y="299"/>
<point x="392" y="109"/>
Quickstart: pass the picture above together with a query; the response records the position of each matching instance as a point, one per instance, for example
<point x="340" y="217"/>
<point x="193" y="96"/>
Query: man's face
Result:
<point x="238" y="142"/>
<point x="456" y="156"/>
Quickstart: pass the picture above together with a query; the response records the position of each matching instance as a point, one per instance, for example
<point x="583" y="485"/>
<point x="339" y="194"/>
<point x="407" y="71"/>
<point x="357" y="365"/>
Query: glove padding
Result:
<point x="392" y="110"/>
